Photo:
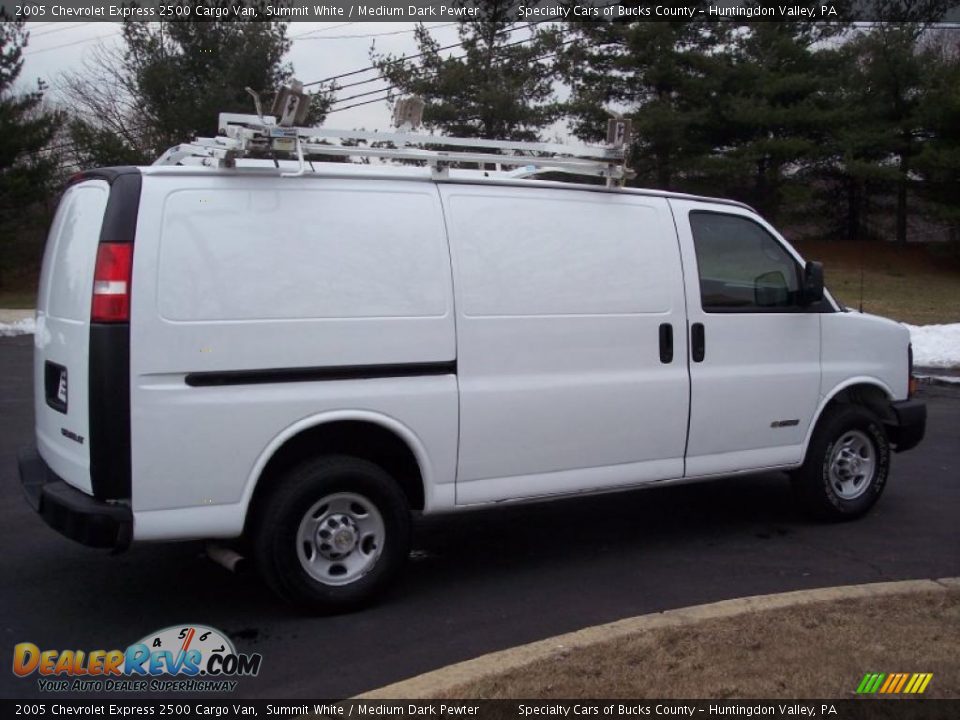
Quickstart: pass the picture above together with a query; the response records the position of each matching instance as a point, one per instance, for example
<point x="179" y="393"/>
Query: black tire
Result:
<point x="815" y="486"/>
<point x="277" y="548"/>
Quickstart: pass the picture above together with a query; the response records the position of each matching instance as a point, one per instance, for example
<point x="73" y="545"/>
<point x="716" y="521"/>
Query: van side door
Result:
<point x="571" y="349"/>
<point x="754" y="345"/>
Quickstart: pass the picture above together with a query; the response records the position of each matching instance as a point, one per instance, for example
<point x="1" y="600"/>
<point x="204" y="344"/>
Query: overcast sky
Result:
<point x="319" y="51"/>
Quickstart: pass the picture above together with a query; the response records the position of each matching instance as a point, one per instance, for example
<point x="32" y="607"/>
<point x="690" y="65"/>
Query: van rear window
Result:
<point x="77" y="235"/>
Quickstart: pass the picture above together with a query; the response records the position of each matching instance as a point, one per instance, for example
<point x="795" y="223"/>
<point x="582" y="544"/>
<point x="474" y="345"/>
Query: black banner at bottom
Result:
<point x="865" y="709"/>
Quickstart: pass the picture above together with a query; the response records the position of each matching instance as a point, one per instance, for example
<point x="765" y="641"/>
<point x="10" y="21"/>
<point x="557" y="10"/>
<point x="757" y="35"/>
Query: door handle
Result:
<point x="698" y="342"/>
<point x="666" y="343"/>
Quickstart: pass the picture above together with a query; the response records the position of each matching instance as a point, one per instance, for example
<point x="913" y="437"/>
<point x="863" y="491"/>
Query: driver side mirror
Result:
<point x="812" y="283"/>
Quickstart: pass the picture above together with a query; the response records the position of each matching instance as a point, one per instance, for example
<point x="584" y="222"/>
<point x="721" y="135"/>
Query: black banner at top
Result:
<point x="400" y="709"/>
<point x="450" y="10"/>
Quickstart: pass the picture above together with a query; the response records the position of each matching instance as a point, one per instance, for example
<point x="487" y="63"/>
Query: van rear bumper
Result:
<point x="71" y="512"/>
<point x="911" y="424"/>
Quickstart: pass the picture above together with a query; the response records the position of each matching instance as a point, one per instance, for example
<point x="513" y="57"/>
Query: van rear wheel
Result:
<point x="333" y="534"/>
<point x="846" y="467"/>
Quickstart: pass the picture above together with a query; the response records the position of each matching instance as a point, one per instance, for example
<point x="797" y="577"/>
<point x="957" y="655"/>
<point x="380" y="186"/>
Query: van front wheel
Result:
<point x="333" y="534"/>
<point x="846" y="466"/>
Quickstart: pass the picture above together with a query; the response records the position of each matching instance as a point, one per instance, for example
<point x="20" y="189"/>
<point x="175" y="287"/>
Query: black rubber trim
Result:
<point x="71" y="512"/>
<point x="110" y="174"/>
<point x="313" y="374"/>
<point x="911" y="424"/>
<point x="120" y="218"/>
<point x="820" y="307"/>
<point x="109" y="353"/>
<point x="109" y="388"/>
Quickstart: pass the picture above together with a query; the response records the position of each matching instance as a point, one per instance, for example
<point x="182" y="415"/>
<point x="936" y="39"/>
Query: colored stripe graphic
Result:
<point x="903" y="681"/>
<point x="894" y="683"/>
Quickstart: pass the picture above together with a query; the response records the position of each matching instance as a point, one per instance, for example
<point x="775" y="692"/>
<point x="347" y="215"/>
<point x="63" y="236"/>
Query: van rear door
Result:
<point x="62" y="339"/>
<point x="81" y="346"/>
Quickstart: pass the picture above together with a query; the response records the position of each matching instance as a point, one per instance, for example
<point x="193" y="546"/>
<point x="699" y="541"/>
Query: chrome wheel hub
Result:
<point x="336" y="536"/>
<point x="853" y="463"/>
<point x="340" y="538"/>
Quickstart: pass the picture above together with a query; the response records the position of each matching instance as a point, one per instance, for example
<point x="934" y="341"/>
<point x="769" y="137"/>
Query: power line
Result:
<point x="379" y="78"/>
<point x="50" y="31"/>
<point x="131" y="134"/>
<point x="75" y="42"/>
<point x="433" y="75"/>
<point x="414" y="57"/>
<point x="372" y="35"/>
<point x="394" y="87"/>
<point x="321" y="30"/>
<point x="359" y="82"/>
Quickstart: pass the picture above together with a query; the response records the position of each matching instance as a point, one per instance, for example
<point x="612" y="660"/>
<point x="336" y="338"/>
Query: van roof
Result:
<point x="261" y="168"/>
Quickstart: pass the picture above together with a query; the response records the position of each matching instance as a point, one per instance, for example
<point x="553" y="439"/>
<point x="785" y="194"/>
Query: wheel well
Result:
<point x="872" y="397"/>
<point x="357" y="438"/>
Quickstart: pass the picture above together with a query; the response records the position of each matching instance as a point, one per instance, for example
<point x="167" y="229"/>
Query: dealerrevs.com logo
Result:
<point x="188" y="658"/>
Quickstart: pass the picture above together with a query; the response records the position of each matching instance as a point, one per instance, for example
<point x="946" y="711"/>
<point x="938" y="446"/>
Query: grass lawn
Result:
<point x="17" y="299"/>
<point x="820" y="650"/>
<point x="911" y="285"/>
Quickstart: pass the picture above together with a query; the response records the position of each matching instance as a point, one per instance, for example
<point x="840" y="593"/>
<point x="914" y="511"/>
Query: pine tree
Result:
<point x="26" y="128"/>
<point x="777" y="111"/>
<point x="28" y="171"/>
<point x="938" y="163"/>
<point x="498" y="84"/>
<point x="887" y="90"/>
<point x="668" y="77"/>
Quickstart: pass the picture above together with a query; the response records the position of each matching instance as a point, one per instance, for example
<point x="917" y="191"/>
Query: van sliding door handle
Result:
<point x="698" y="342"/>
<point x="666" y="343"/>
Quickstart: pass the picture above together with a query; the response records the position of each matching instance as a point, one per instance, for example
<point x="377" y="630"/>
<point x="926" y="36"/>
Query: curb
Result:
<point x="939" y="380"/>
<point x="14" y="314"/>
<point x="948" y="376"/>
<point x="440" y="682"/>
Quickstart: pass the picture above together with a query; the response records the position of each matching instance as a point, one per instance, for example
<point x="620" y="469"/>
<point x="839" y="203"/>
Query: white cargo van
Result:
<point x="301" y="364"/>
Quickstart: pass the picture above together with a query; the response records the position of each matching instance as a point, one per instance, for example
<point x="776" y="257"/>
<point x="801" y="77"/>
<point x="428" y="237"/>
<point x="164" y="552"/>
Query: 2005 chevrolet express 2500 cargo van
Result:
<point x="301" y="363"/>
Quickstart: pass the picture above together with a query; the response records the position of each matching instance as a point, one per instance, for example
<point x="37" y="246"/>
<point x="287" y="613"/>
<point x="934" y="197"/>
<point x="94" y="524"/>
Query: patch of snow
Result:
<point x="27" y="326"/>
<point x="935" y="345"/>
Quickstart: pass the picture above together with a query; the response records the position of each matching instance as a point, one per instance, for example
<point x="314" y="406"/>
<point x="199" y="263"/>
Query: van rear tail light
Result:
<point x="111" y="283"/>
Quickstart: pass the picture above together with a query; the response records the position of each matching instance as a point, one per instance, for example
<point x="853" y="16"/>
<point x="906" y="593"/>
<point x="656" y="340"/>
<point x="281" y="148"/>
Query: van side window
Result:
<point x="742" y="267"/>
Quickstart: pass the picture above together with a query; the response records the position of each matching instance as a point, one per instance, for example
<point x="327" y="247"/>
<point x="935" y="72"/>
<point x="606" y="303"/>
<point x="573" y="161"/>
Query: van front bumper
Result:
<point x="71" y="512"/>
<point x="910" y="426"/>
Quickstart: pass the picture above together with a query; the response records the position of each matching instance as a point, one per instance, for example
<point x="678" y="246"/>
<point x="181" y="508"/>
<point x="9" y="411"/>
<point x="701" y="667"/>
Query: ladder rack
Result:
<point x="252" y="136"/>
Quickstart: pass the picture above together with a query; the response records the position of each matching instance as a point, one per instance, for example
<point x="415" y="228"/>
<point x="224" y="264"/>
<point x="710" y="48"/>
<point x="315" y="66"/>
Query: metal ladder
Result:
<point x="262" y="136"/>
